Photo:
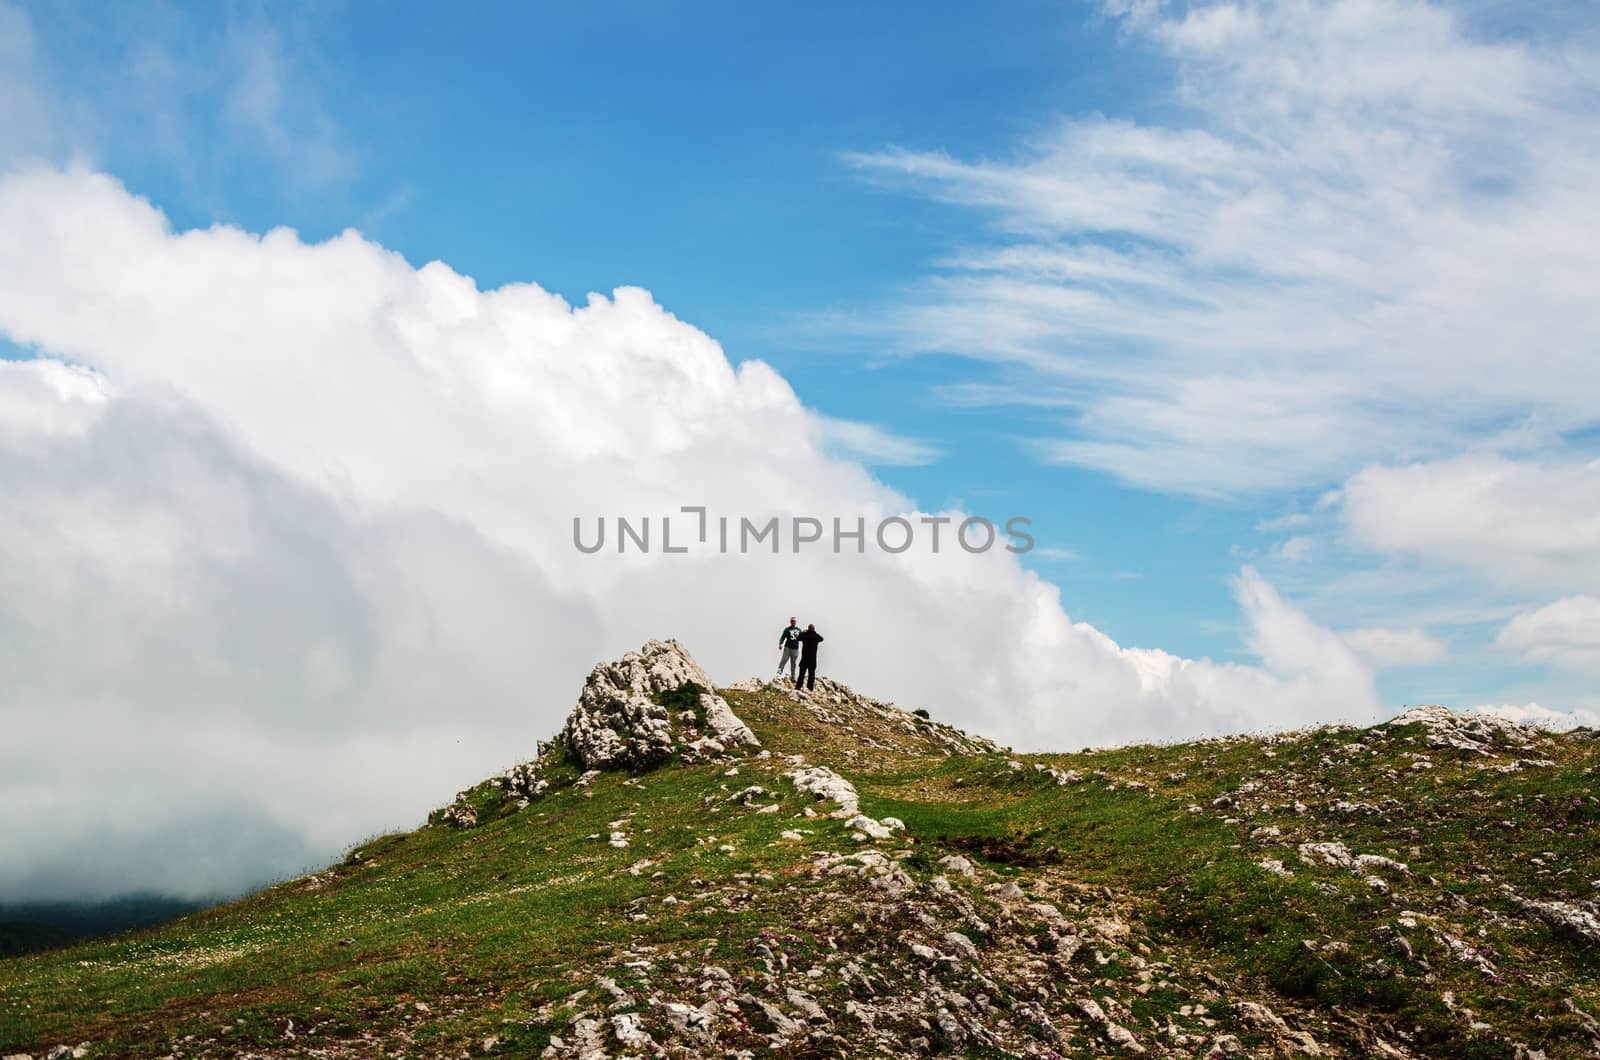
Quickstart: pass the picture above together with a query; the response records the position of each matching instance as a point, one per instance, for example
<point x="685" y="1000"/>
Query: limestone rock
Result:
<point x="630" y="1031"/>
<point x="617" y="725"/>
<point x="824" y="784"/>
<point x="874" y="828"/>
<point x="1466" y="732"/>
<point x="524" y="780"/>
<point x="1564" y="918"/>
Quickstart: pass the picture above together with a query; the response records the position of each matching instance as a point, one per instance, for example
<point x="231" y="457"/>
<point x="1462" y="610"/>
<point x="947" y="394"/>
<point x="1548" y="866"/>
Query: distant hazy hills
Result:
<point x="28" y="927"/>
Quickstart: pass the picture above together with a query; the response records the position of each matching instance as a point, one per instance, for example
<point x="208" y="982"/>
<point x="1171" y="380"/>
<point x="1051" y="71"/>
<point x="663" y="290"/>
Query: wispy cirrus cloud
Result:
<point x="1346" y="248"/>
<point x="1360" y="212"/>
<point x="212" y="103"/>
<point x="873" y="444"/>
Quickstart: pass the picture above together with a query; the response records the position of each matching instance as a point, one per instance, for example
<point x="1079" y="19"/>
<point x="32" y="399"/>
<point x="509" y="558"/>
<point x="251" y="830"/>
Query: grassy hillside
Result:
<point x="1339" y="892"/>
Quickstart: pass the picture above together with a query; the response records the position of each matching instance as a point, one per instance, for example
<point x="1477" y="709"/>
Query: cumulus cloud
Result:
<point x="1530" y="523"/>
<point x="1349" y="243"/>
<point x="288" y="538"/>
<point x="1565" y="633"/>
<point x="1386" y="648"/>
<point x="1352" y="215"/>
<point x="1540" y="717"/>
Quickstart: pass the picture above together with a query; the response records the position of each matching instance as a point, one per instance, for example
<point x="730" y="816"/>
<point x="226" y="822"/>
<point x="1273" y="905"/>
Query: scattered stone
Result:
<point x="523" y="780"/>
<point x="1337" y="856"/>
<point x="961" y="945"/>
<point x="690" y="1021"/>
<point x="824" y="784"/>
<point x="1591" y="1026"/>
<point x="807" y="1007"/>
<point x="875" y="829"/>
<point x="870" y="865"/>
<point x="748" y="796"/>
<point x="630" y="1032"/>
<point x="1258" y="1015"/>
<point x="1566" y="920"/>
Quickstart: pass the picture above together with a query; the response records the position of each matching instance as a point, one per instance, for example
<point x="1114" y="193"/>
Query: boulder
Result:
<point x="824" y="785"/>
<point x="617" y="723"/>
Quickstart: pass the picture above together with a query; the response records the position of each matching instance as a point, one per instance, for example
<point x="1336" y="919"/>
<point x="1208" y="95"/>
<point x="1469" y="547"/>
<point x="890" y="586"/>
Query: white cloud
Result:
<point x="1360" y="214"/>
<point x="1294" y="549"/>
<point x="1356" y="247"/>
<point x="24" y="112"/>
<point x="297" y="528"/>
<point x="271" y="113"/>
<point x="1386" y="648"/>
<point x="872" y="444"/>
<point x="1292" y="521"/>
<point x="1540" y="717"/>
<point x="206" y="99"/>
<point x="1531" y="524"/>
<point x="1565" y="633"/>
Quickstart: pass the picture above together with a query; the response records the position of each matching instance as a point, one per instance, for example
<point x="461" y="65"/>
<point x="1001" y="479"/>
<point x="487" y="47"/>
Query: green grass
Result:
<point x="494" y="928"/>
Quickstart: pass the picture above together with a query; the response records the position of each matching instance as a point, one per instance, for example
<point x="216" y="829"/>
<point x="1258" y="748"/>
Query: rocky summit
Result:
<point x="620" y="721"/>
<point x="759" y="871"/>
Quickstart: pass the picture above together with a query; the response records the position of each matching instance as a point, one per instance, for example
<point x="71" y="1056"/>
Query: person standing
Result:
<point x="789" y="642"/>
<point x="808" y="657"/>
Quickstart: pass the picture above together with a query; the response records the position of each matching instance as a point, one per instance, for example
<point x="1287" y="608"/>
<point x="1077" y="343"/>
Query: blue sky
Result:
<point x="697" y="151"/>
<point x="707" y="152"/>
<point x="1275" y="316"/>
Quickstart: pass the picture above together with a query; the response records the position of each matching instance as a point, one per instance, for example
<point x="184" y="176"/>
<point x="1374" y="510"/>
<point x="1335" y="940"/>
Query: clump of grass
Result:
<point x="685" y="697"/>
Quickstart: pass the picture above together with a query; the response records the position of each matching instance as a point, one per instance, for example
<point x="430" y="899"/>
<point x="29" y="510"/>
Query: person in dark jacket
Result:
<point x="808" y="657"/>
<point x="789" y="646"/>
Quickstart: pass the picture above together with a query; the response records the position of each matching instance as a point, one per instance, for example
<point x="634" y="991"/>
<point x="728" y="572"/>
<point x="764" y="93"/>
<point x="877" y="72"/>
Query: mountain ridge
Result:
<point x="854" y="879"/>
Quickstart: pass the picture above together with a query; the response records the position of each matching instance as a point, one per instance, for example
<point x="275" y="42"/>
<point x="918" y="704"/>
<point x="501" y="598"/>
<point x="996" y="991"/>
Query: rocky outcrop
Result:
<point x="618" y="723"/>
<point x="633" y="713"/>
<point x="1466" y="732"/>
